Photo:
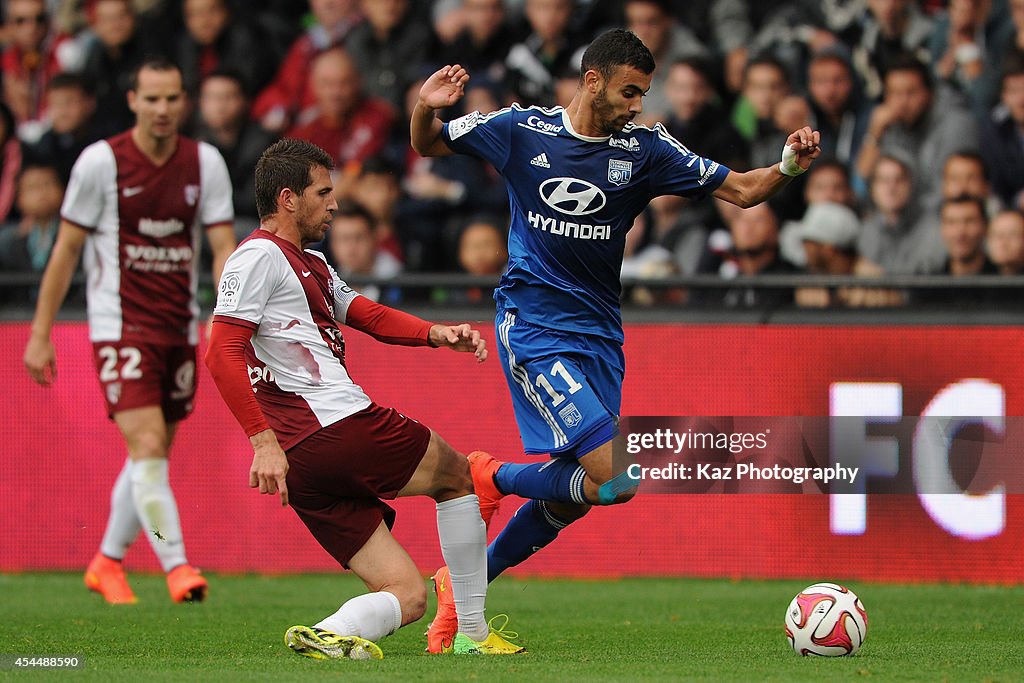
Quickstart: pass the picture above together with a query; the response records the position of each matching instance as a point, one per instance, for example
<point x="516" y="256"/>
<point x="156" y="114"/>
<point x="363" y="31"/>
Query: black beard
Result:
<point x="603" y="113"/>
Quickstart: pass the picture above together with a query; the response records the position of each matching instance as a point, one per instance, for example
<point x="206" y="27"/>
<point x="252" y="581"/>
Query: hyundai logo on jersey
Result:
<point x="572" y="196"/>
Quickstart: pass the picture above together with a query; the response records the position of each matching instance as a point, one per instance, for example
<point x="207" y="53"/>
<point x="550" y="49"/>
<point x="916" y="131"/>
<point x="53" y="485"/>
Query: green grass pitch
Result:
<point x="628" y="630"/>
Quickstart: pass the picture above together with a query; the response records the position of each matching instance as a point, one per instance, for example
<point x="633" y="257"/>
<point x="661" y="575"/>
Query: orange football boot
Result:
<point x="483" y="466"/>
<point x="442" y="630"/>
<point x="186" y="584"/>
<point x="106" y="577"/>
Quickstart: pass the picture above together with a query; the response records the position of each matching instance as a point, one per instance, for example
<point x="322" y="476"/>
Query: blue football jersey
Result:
<point x="572" y="200"/>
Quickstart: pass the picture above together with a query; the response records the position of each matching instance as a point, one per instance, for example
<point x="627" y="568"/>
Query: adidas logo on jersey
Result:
<point x="541" y="160"/>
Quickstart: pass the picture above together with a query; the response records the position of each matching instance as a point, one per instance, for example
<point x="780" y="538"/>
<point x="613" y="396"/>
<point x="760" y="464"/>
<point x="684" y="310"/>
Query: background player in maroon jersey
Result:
<point x="135" y="206"/>
<point x="278" y="357"/>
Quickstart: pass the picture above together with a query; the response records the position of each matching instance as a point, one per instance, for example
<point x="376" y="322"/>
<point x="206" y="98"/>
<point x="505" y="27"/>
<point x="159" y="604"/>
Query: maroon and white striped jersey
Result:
<point x="293" y="300"/>
<point x="141" y="258"/>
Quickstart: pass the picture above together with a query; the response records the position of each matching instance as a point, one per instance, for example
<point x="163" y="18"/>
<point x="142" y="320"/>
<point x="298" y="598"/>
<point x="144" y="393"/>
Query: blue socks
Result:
<point x="559" y="480"/>
<point x="530" y="529"/>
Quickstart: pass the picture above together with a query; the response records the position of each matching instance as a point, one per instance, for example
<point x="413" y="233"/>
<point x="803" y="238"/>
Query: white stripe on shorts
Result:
<point x="523" y="380"/>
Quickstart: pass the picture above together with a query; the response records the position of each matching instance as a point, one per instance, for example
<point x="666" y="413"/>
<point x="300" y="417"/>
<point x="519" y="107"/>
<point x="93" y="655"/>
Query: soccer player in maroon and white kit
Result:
<point x="278" y="357"/>
<point x="136" y="205"/>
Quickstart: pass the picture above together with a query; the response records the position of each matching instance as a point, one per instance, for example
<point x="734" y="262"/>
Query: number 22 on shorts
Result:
<point x="131" y="356"/>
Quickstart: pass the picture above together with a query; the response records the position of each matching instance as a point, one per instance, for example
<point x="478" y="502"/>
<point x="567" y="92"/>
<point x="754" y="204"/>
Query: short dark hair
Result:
<point x="908" y="62"/>
<point x="702" y="66"/>
<point x="1013" y="65"/>
<point x="354" y="210"/>
<point x="66" y="80"/>
<point x="970" y="155"/>
<point x="153" y="63"/>
<point x="228" y="73"/>
<point x="765" y="59"/>
<point x="830" y="163"/>
<point x="286" y="163"/>
<point x="966" y="199"/>
<point x="614" y="48"/>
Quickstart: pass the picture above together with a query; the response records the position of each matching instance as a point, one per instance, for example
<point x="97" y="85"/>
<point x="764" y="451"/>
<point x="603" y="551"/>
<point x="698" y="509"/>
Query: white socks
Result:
<point x="123" y="523"/>
<point x="463" y="539"/>
<point x="371" y="616"/>
<point x="158" y="512"/>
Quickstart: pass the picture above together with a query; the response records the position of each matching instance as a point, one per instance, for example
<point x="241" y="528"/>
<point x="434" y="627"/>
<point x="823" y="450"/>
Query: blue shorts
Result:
<point x="566" y="387"/>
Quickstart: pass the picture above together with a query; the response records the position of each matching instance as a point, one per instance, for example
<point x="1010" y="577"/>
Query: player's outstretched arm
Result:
<point x="753" y="187"/>
<point x="391" y="326"/>
<point x="40" y="357"/>
<point x="459" y="338"/>
<point x="445" y="87"/>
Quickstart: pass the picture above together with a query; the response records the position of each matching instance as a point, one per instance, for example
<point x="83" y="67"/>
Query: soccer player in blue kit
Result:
<point x="577" y="177"/>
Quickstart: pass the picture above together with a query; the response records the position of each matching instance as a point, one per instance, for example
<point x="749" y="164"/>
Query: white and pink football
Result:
<point x="826" y="619"/>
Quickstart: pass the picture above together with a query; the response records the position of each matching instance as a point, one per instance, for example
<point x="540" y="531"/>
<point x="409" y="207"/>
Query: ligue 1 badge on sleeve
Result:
<point x="619" y="172"/>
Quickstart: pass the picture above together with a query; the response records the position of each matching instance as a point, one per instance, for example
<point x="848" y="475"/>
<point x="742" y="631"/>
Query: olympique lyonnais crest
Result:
<point x="570" y="415"/>
<point x="619" y="172"/>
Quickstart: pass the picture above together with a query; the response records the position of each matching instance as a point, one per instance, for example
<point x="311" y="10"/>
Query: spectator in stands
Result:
<point x="1005" y="242"/>
<point x="547" y="51"/>
<point x="835" y="108"/>
<point x="31" y="57"/>
<point x="828" y="181"/>
<point x="891" y="234"/>
<point x="696" y="116"/>
<point x="755" y="251"/>
<point x="377" y="188"/>
<point x="963" y="235"/>
<point x="290" y="91"/>
<point x="10" y="161"/>
<point x="963" y="174"/>
<point x="887" y="31"/>
<point x="343" y="121"/>
<point x="1002" y="135"/>
<point x="224" y="122"/>
<point x="669" y="41"/>
<point x="25" y="245"/>
<point x="482" y="43"/>
<point x="70" y="107"/>
<point x="914" y="121"/>
<point x="353" y="249"/>
<point x="966" y="51"/>
<point x="481" y="251"/>
<point x="213" y="38"/>
<point x="765" y="85"/>
<point x="828" y="233"/>
<point x="389" y="49"/>
<point x="111" y="61"/>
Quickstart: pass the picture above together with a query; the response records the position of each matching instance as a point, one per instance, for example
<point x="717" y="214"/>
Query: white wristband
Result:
<point x="788" y="165"/>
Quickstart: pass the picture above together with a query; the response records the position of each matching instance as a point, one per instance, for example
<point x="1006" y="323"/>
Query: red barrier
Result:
<point x="60" y="457"/>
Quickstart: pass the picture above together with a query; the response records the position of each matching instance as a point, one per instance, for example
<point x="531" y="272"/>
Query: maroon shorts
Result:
<point x="136" y="375"/>
<point x="338" y="475"/>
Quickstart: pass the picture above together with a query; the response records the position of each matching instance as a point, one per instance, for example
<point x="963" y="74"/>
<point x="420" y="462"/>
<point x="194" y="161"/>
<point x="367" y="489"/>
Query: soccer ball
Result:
<point x="826" y="619"/>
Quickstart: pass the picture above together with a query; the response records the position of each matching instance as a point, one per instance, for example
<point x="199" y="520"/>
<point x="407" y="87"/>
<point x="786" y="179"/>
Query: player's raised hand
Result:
<point x="269" y="469"/>
<point x="445" y="87"/>
<point x="41" y="360"/>
<point x="801" y="148"/>
<point x="459" y="338"/>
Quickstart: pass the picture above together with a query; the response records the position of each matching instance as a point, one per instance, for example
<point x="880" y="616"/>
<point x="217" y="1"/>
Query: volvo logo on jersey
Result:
<point x="572" y="196"/>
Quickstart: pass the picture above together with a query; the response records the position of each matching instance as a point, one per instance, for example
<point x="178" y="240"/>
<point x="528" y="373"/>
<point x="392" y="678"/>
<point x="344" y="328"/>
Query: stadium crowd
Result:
<point x="920" y="104"/>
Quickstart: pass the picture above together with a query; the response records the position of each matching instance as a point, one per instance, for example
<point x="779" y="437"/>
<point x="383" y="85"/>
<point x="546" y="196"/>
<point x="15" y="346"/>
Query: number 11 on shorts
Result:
<point x="558" y="370"/>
